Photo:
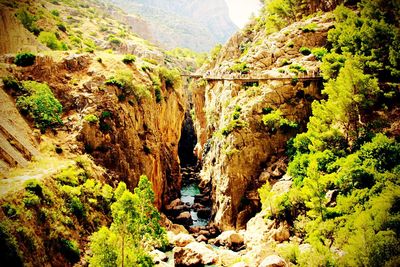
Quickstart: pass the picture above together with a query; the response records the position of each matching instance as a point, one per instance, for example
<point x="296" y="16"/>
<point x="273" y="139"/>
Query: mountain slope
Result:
<point x="197" y="25"/>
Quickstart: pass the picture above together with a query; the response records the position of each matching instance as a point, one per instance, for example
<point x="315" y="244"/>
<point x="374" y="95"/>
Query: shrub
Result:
<point x="24" y="59"/>
<point x="40" y="104"/>
<point x="158" y="95"/>
<point x="235" y="122"/>
<point x="297" y="68"/>
<point x="275" y="120"/>
<point x="11" y="83"/>
<point x="55" y="13"/>
<point x="115" y="41"/>
<point x="171" y="77"/>
<point x="128" y="59"/>
<point x="61" y="27"/>
<point x="305" y="51"/>
<point x="309" y="27"/>
<point x="50" y="40"/>
<point x="290" y="44"/>
<point x="91" y="118"/>
<point x="151" y="61"/>
<point x="70" y="249"/>
<point x="30" y="200"/>
<point x="319" y="52"/>
<point x="242" y="68"/>
<point x="285" y="62"/>
<point x="28" y="20"/>
<point x="34" y="186"/>
<point x="77" y="207"/>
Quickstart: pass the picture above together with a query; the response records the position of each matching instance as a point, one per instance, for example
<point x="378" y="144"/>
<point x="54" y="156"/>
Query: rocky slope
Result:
<point x="238" y="150"/>
<point x="198" y="25"/>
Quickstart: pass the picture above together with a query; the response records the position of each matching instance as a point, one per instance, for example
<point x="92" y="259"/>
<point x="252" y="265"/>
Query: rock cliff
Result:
<point x="236" y="146"/>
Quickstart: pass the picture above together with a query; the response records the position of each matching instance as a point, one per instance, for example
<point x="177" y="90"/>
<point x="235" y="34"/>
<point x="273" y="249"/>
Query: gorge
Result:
<point x="278" y="148"/>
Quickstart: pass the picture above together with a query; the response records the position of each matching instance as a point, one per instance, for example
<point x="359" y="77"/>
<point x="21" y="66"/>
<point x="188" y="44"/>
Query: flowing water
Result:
<point x="188" y="192"/>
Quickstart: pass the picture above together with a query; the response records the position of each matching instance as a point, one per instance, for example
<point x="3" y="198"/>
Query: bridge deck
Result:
<point x="252" y="79"/>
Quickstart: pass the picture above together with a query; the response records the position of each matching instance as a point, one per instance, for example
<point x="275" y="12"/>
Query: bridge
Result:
<point x="315" y="76"/>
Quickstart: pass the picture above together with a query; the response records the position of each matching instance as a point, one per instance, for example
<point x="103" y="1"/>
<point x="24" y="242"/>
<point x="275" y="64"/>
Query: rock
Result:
<point x="158" y="256"/>
<point x="282" y="233"/>
<point x="184" y="218"/>
<point x="331" y="197"/>
<point x="173" y="204"/>
<point x="304" y="248"/>
<point x="240" y="264"/>
<point x="182" y="240"/>
<point x="201" y="238"/>
<point x="194" y="254"/>
<point x="204" y="213"/>
<point x="231" y="239"/>
<point x="197" y="206"/>
<point x="227" y="257"/>
<point x="273" y="261"/>
<point x="195" y="229"/>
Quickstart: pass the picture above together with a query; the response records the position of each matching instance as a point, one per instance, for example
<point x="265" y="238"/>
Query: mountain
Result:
<point x="197" y="25"/>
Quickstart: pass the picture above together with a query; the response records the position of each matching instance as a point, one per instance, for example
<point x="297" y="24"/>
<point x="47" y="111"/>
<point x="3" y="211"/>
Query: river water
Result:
<point x="188" y="192"/>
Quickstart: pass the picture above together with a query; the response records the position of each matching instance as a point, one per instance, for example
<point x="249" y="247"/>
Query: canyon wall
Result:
<point x="239" y="152"/>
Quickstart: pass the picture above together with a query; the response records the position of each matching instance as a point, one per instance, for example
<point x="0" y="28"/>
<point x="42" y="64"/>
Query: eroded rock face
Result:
<point x="233" y="143"/>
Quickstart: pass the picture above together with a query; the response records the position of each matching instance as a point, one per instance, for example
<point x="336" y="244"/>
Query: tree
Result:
<point x="134" y="231"/>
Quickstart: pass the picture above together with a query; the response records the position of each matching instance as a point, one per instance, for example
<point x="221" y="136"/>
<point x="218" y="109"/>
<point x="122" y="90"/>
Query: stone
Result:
<point x="240" y="264"/>
<point x="204" y="213"/>
<point x="231" y="239"/>
<point x="282" y="233"/>
<point x="184" y="218"/>
<point x="201" y="238"/>
<point x="273" y="261"/>
<point x="194" y="254"/>
<point x="331" y="197"/>
<point x="182" y="240"/>
<point x="158" y="256"/>
<point x="227" y="257"/>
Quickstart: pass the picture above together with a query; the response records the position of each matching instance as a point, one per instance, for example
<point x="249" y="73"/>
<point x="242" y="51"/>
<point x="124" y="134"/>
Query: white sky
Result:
<point x="241" y="10"/>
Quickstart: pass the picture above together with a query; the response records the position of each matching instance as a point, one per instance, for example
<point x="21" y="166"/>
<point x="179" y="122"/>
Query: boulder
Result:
<point x="231" y="239"/>
<point x="273" y="261"/>
<point x="201" y="238"/>
<point x="184" y="218"/>
<point x="282" y="233"/>
<point x="158" y="256"/>
<point x="182" y="240"/>
<point x="204" y="212"/>
<point x="194" y="254"/>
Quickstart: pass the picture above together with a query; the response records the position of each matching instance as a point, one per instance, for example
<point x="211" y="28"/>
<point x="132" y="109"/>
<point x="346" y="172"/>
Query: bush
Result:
<point x="115" y="41"/>
<point x="34" y="186"/>
<point x="55" y="13"/>
<point x="171" y="77"/>
<point x="24" y="59"/>
<point x="76" y="207"/>
<point x="319" y="52"/>
<point x="158" y="95"/>
<point x="151" y="61"/>
<point x="61" y="27"/>
<point x="297" y="68"/>
<point x="28" y="20"/>
<point x="31" y="200"/>
<point x="91" y="118"/>
<point x="70" y="250"/>
<point x="312" y="27"/>
<point x="128" y="59"/>
<point x="40" y="104"/>
<point x="12" y="83"/>
<point x="242" y="68"/>
<point x="305" y="51"/>
<point x="50" y="40"/>
<point x="275" y="120"/>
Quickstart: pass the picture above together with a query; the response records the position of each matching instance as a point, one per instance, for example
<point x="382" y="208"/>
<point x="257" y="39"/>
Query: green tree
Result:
<point x="135" y="229"/>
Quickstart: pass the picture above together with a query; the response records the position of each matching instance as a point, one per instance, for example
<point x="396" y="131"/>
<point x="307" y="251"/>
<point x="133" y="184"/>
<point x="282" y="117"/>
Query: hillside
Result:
<point x="198" y="25"/>
<point x="278" y="148"/>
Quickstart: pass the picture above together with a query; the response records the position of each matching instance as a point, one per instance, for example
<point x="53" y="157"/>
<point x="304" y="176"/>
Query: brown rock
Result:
<point x="184" y="218"/>
<point x="182" y="240"/>
<point x="201" y="238"/>
<point x="194" y="254"/>
<point x="273" y="261"/>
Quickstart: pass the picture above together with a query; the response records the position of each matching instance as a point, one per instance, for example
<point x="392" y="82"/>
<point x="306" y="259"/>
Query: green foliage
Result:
<point x="61" y="27"/>
<point x="24" y="59"/>
<point x="319" y="52"/>
<point x="215" y="52"/>
<point x="28" y="20"/>
<point x="114" y="41"/>
<point x="305" y="50"/>
<point x="241" y="68"/>
<point x="297" y="68"/>
<point x="234" y="123"/>
<point x="275" y="120"/>
<point x="150" y="60"/>
<point x="124" y="81"/>
<point x="91" y="118"/>
<point x="311" y="27"/>
<point x="158" y="95"/>
<point x="11" y="83"/>
<point x="40" y="104"/>
<point x="70" y="250"/>
<point x="50" y="40"/>
<point x="55" y="13"/>
<point x="134" y="231"/>
<point x="129" y="59"/>
<point x="371" y="35"/>
<point x="171" y="77"/>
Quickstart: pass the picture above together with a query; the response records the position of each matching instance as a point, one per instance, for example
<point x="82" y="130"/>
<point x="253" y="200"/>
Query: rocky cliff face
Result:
<point x="198" y="25"/>
<point x="235" y="145"/>
<point x="133" y="136"/>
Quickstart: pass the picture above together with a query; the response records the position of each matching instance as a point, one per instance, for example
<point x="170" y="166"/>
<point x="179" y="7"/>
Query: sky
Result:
<point x="241" y="10"/>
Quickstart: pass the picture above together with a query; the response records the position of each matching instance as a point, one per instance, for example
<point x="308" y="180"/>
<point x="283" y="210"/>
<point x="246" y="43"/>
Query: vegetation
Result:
<point x="240" y="67"/>
<point x="124" y="81"/>
<point x="40" y="104"/>
<point x="305" y="50"/>
<point x="91" y="118"/>
<point x="51" y="41"/>
<point x="24" y="59"/>
<point x="171" y="77"/>
<point x="274" y="120"/>
<point x="129" y="59"/>
<point x="134" y="230"/>
<point x="28" y="20"/>
<point x="344" y="201"/>
<point x="234" y="123"/>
